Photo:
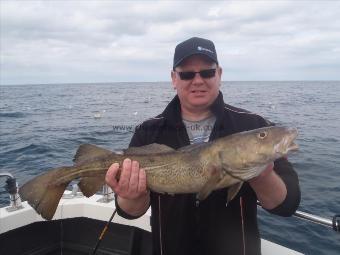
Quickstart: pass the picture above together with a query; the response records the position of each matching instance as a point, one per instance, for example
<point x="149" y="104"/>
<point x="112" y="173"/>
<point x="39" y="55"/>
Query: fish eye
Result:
<point x="262" y="135"/>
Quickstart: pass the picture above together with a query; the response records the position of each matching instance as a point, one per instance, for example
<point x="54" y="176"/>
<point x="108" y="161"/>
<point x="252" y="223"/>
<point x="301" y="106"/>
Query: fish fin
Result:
<point x="228" y="170"/>
<point x="192" y="147"/>
<point x="210" y="185"/>
<point x="231" y="173"/>
<point x="43" y="194"/>
<point x="148" y="149"/>
<point x="233" y="190"/>
<point x="88" y="151"/>
<point x="90" y="185"/>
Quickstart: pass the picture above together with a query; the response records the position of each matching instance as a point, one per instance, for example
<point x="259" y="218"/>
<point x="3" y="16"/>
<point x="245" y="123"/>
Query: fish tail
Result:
<point x="44" y="192"/>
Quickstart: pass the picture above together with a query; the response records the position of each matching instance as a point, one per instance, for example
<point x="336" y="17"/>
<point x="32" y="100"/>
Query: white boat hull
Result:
<point x="91" y="208"/>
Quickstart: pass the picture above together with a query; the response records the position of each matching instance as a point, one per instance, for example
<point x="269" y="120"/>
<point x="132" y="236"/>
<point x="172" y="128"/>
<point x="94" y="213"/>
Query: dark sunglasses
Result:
<point x="208" y="73"/>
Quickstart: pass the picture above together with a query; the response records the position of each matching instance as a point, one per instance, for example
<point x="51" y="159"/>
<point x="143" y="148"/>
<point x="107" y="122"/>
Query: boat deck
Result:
<point x="80" y="207"/>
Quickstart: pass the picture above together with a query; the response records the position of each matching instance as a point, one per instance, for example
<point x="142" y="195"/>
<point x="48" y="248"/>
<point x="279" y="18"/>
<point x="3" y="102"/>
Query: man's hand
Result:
<point x="267" y="171"/>
<point x="269" y="188"/>
<point x="131" y="190"/>
<point x="132" y="181"/>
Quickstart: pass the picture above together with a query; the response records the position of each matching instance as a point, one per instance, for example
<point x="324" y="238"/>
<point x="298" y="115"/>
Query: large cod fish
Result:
<point x="225" y="162"/>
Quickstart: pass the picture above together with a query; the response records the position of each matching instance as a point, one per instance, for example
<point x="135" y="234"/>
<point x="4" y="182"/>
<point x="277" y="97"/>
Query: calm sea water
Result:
<point x="41" y="126"/>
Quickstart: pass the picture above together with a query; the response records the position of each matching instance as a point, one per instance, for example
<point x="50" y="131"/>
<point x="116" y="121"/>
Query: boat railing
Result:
<point x="333" y="223"/>
<point x="75" y="193"/>
<point x="107" y="193"/>
<point x="15" y="201"/>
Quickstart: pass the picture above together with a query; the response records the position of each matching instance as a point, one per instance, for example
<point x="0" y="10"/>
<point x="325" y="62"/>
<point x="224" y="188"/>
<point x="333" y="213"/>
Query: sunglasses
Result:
<point x="208" y="73"/>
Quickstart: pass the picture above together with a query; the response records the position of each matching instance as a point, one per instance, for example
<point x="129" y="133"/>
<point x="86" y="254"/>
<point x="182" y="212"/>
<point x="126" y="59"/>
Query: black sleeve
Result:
<point x="124" y="214"/>
<point x="285" y="170"/>
<point x="136" y="140"/>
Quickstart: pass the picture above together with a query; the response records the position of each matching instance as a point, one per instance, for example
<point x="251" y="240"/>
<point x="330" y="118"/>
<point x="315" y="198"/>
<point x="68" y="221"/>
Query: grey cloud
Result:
<point x="70" y="40"/>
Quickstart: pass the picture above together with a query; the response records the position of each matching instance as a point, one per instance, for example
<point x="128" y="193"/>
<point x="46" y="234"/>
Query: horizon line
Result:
<point x="112" y="82"/>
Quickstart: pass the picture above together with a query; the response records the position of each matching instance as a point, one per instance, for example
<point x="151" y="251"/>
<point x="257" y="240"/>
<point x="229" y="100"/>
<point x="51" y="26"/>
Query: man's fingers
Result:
<point x="125" y="176"/>
<point x="133" y="185"/>
<point x="132" y="180"/>
<point x="266" y="171"/>
<point x="269" y="168"/>
<point x="142" y="181"/>
<point x="111" y="175"/>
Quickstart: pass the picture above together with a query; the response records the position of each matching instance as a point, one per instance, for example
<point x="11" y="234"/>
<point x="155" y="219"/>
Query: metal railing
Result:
<point x="333" y="223"/>
<point x="108" y="195"/>
<point x="15" y="200"/>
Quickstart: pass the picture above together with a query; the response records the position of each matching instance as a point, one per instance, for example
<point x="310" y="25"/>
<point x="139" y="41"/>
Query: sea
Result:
<point x="41" y="127"/>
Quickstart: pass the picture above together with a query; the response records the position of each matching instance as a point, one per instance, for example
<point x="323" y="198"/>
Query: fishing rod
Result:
<point x="101" y="236"/>
<point x="333" y="223"/>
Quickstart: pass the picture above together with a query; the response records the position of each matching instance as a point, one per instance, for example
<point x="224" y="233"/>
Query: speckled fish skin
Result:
<point x="200" y="169"/>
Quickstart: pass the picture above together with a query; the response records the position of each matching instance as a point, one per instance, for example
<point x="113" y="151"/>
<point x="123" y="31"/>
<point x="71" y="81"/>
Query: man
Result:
<point x="180" y="223"/>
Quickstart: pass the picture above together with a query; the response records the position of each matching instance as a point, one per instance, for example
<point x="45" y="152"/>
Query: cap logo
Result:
<point x="204" y="49"/>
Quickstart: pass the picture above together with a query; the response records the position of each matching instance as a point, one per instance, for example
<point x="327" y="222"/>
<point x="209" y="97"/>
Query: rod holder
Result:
<point x="336" y="222"/>
<point x="12" y="189"/>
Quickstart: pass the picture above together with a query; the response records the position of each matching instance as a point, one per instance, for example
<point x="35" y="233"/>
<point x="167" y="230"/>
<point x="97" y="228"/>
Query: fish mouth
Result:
<point x="293" y="147"/>
<point x="287" y="143"/>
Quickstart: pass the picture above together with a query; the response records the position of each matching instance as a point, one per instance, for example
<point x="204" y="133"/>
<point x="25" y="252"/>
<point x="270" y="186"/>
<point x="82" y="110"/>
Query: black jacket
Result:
<point x="180" y="225"/>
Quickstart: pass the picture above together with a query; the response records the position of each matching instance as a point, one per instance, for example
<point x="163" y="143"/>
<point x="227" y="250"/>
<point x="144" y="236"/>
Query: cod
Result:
<point x="200" y="168"/>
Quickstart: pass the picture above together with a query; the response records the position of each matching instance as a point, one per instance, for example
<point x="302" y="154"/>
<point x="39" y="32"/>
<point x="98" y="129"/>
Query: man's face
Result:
<point x="198" y="93"/>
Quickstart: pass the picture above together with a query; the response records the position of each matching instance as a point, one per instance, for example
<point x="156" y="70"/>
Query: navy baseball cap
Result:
<point x="194" y="46"/>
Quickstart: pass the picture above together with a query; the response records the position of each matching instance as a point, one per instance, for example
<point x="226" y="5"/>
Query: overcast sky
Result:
<point x="109" y="41"/>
